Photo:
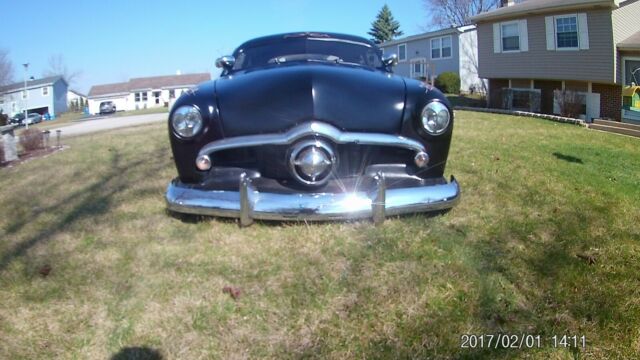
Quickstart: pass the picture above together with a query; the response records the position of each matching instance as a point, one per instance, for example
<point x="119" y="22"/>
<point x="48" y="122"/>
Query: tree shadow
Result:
<point x="137" y="353"/>
<point x="90" y="201"/>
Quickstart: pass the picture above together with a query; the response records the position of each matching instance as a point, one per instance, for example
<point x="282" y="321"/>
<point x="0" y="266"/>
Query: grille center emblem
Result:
<point x="311" y="162"/>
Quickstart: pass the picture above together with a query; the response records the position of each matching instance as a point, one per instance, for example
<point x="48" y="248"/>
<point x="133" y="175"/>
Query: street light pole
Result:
<point x="26" y="67"/>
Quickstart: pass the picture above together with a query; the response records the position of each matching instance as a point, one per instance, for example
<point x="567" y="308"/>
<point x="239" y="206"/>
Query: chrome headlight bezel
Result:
<point x="435" y="118"/>
<point x="186" y="121"/>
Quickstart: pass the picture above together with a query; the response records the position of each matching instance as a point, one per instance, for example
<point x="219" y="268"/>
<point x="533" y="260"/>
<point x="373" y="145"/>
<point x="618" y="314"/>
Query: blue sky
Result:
<point x="111" y="41"/>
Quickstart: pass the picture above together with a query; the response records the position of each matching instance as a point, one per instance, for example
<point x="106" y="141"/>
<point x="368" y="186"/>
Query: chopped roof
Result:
<point x="31" y="83"/>
<point x="153" y="82"/>
<point x="531" y="7"/>
<point x="630" y="43"/>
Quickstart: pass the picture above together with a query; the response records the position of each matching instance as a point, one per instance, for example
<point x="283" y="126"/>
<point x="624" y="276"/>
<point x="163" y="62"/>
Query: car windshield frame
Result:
<point x="294" y="49"/>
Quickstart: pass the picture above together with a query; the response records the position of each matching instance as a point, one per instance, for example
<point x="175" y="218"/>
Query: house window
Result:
<point x="402" y="52"/>
<point x="441" y="48"/>
<point x="418" y="67"/>
<point x="45" y="91"/>
<point x="172" y="94"/>
<point x="144" y="96"/>
<point x="631" y="71"/>
<point x="567" y="32"/>
<point x="24" y="94"/>
<point x="510" y="36"/>
<point x="137" y="96"/>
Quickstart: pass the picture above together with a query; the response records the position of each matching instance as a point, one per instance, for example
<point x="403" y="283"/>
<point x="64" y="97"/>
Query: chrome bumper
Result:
<point x="248" y="203"/>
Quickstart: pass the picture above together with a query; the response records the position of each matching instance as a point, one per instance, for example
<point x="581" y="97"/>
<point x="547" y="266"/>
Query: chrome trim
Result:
<point x="203" y="162"/>
<point x="312" y="128"/>
<point x="379" y="201"/>
<point x="390" y="60"/>
<point x="225" y="62"/>
<point x="248" y="203"/>
<point x="302" y="145"/>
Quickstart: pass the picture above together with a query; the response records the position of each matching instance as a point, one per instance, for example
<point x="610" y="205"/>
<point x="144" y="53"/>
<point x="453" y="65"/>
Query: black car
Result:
<point x="17" y="119"/>
<point x="107" y="107"/>
<point x="310" y="126"/>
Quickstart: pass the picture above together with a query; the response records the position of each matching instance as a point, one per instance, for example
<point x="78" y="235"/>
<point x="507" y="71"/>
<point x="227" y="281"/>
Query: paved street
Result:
<point x="108" y="123"/>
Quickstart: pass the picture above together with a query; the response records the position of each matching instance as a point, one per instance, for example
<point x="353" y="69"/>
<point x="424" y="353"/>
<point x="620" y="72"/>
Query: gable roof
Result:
<point x="158" y="82"/>
<point x="76" y="92"/>
<point x="532" y="7"/>
<point x="146" y="83"/>
<point x="630" y="43"/>
<point x="447" y="31"/>
<point x="106" y="89"/>
<point x="31" y="84"/>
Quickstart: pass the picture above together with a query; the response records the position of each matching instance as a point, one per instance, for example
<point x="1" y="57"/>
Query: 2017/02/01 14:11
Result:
<point x="521" y="341"/>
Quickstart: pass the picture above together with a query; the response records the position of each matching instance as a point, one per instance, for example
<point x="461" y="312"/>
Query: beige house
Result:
<point x="528" y="49"/>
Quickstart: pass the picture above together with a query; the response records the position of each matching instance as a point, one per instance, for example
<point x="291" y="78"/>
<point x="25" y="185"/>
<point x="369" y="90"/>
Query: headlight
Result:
<point x="435" y="118"/>
<point x="186" y="121"/>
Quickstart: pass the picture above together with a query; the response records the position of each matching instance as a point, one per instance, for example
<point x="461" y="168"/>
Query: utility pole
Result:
<point x="26" y="95"/>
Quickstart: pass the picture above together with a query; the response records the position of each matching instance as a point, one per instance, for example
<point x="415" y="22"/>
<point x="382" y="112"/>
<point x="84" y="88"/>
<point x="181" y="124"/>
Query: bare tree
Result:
<point x="448" y="13"/>
<point x="58" y="66"/>
<point x="6" y="68"/>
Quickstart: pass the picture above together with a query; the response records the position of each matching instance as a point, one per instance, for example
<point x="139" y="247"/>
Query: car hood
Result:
<point x="275" y="99"/>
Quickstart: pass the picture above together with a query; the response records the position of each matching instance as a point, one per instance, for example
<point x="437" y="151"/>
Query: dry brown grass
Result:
<point x="126" y="275"/>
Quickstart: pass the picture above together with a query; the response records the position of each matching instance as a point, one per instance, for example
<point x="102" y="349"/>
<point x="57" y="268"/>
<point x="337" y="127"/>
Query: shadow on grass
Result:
<point x="90" y="201"/>
<point x="137" y="353"/>
<point x="568" y="158"/>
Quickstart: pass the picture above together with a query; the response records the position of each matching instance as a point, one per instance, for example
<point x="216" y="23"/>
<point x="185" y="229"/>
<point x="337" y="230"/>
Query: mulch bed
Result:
<point x="35" y="154"/>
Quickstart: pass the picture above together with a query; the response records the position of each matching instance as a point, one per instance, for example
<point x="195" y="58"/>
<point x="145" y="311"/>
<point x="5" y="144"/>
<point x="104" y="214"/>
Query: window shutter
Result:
<point x="524" y="35"/>
<point x="583" y="29"/>
<point x="551" y="32"/>
<point x="496" y="38"/>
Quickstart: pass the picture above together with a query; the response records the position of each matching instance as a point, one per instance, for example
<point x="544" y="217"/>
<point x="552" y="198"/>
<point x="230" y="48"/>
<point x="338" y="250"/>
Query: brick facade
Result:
<point x="495" y="92"/>
<point x="547" y="87"/>
<point x="610" y="100"/>
<point x="610" y="96"/>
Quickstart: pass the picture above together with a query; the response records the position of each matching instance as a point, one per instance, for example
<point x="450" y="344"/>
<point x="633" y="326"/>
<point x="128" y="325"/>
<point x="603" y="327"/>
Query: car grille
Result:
<point x="271" y="161"/>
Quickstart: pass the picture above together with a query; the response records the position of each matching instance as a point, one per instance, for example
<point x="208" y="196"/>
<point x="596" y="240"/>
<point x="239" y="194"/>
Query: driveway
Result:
<point x="108" y="123"/>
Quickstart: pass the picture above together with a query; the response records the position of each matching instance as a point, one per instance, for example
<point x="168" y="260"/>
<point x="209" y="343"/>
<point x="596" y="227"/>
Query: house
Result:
<point x="425" y="56"/>
<point x="75" y="98"/>
<point x="46" y="95"/>
<point x="144" y="92"/>
<point x="530" y="49"/>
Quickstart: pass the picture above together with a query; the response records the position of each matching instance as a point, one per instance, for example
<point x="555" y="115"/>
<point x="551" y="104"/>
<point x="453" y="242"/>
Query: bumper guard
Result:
<point x="248" y="203"/>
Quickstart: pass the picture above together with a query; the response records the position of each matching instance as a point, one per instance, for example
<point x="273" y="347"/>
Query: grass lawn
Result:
<point x="152" y="110"/>
<point x="545" y="241"/>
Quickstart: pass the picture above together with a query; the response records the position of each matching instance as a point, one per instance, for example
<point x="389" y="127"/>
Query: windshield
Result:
<point x="308" y="49"/>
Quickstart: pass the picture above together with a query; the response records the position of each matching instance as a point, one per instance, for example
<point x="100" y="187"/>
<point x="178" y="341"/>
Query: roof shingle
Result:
<point x="37" y="82"/>
<point x="146" y="83"/>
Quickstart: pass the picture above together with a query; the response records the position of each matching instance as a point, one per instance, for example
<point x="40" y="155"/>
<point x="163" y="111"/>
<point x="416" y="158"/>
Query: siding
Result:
<point x="625" y="23"/>
<point x="469" y="62"/>
<point x="595" y="64"/>
<point x="422" y="49"/>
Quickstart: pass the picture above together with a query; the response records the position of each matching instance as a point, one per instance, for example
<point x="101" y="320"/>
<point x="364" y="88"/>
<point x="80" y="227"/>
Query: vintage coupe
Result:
<point x="310" y="126"/>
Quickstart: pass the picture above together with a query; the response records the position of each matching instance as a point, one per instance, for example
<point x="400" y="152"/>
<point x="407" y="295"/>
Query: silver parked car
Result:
<point x="107" y="107"/>
<point x="33" y="118"/>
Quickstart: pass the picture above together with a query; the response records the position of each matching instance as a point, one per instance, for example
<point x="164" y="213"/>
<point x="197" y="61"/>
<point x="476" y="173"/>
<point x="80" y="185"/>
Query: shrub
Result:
<point x="448" y="82"/>
<point x="4" y="119"/>
<point x="571" y="103"/>
<point x="31" y="140"/>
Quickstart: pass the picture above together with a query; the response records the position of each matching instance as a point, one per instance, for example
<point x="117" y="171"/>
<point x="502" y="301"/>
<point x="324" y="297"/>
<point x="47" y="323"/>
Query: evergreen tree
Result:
<point x="385" y="27"/>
